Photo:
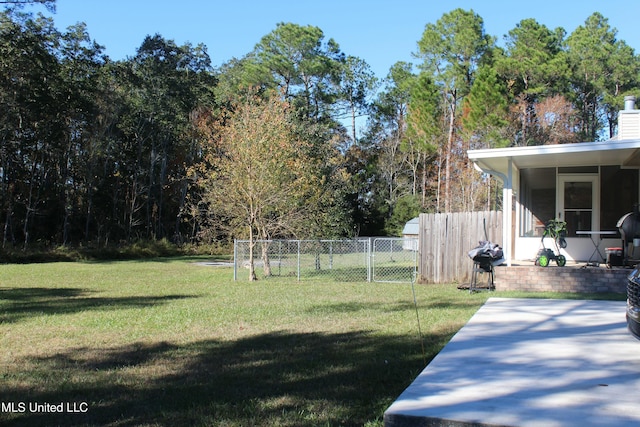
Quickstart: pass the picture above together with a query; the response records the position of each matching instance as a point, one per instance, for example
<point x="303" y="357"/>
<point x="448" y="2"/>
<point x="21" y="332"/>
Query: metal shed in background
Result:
<point x="411" y="231"/>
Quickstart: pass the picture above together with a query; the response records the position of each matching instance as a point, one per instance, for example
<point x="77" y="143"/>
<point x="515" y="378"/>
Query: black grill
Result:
<point x="629" y="227"/>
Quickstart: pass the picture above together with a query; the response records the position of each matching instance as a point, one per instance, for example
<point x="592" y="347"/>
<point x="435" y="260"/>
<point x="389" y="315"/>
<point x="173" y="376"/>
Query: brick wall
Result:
<point x="561" y="279"/>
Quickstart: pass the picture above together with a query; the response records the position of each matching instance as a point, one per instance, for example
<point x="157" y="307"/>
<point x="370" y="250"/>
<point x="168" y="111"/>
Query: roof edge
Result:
<point x="577" y="147"/>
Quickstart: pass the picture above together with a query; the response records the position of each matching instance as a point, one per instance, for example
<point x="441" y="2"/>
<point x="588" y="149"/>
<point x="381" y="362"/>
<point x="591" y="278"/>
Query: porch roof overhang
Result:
<point x="624" y="153"/>
<point x="502" y="162"/>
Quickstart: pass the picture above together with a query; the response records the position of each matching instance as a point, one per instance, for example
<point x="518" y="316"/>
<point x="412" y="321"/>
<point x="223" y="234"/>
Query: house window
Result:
<point x="618" y="194"/>
<point x="538" y="200"/>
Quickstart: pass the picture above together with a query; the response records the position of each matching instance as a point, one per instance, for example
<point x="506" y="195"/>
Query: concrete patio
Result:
<point x="530" y="362"/>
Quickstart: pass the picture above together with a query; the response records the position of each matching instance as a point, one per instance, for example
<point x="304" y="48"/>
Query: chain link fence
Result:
<point x="394" y="260"/>
<point x="369" y="259"/>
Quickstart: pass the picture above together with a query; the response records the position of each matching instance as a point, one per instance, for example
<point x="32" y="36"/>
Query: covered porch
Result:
<point x="588" y="185"/>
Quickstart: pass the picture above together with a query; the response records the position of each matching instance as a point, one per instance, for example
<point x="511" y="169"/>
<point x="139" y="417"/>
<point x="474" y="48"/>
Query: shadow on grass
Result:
<point x="281" y="378"/>
<point x="354" y="307"/>
<point x="19" y="303"/>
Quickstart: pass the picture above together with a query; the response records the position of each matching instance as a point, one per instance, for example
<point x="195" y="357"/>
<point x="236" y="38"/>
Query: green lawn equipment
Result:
<point x="557" y="230"/>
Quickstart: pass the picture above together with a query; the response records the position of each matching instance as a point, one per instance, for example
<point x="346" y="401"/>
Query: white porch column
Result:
<point x="507" y="213"/>
<point x="507" y="206"/>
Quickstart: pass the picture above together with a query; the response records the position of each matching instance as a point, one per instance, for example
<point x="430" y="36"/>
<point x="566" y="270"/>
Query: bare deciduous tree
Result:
<point x="257" y="173"/>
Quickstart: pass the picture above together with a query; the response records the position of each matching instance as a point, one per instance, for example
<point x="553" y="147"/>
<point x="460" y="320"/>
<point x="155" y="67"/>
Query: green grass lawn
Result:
<point x="173" y="343"/>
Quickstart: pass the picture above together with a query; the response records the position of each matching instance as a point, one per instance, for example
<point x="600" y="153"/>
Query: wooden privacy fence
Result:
<point x="446" y="238"/>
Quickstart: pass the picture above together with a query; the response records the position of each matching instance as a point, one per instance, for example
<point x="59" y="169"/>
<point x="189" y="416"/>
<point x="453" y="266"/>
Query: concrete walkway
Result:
<point x="529" y="362"/>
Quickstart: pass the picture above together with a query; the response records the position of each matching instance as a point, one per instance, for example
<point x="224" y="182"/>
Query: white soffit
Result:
<point x="612" y="152"/>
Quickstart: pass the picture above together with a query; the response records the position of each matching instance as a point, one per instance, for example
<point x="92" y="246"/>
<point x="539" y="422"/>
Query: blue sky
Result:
<point x="380" y="32"/>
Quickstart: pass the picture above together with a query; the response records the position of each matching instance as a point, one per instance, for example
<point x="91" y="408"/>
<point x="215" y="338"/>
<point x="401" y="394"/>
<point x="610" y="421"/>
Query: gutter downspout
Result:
<point x="507" y="205"/>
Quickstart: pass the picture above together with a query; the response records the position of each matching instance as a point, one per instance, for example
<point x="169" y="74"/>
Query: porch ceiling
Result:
<point x="612" y="152"/>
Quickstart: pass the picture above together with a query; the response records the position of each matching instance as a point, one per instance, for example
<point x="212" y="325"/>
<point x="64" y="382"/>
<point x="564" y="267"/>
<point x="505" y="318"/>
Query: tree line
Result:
<point x="161" y="145"/>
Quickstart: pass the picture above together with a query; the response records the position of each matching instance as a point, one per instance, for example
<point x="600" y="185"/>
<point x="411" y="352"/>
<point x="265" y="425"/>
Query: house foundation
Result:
<point x="561" y="279"/>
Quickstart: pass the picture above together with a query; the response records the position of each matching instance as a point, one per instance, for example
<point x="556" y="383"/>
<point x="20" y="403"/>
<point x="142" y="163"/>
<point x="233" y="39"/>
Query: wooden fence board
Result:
<point x="445" y="240"/>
